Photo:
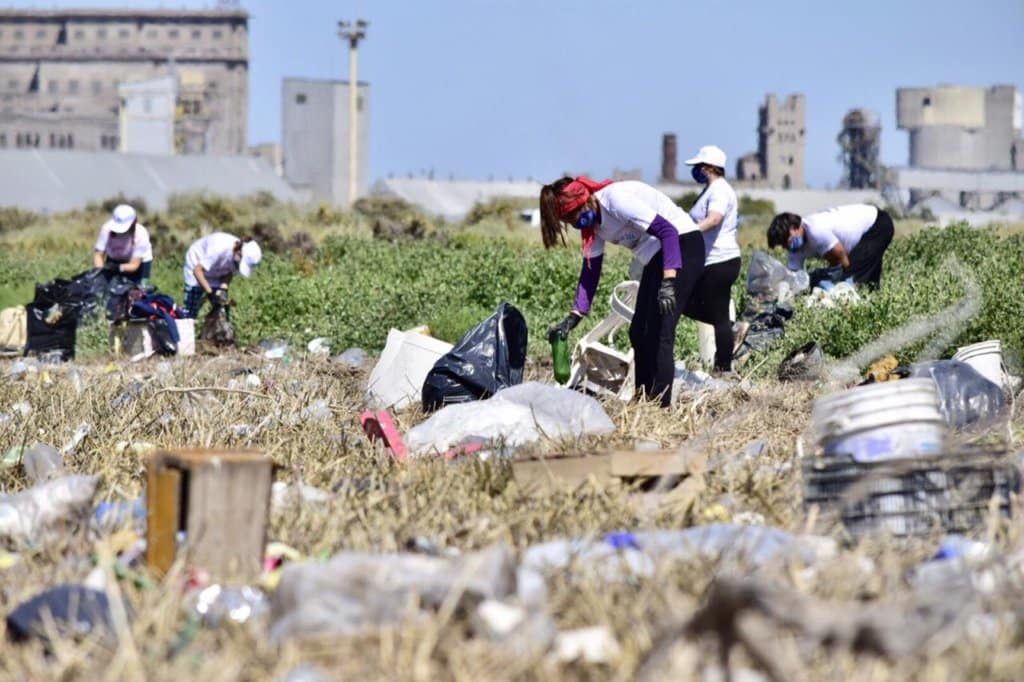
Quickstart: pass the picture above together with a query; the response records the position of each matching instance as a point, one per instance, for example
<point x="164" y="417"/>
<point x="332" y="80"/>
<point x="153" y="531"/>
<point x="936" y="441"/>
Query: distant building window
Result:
<point x="79" y="34"/>
<point x="97" y="87"/>
<point x="40" y="34"/>
<point x="300" y="98"/>
<point x="73" y="87"/>
<point x="359" y="103"/>
<point x="791" y="161"/>
<point x="191" y="107"/>
<point x="18" y="35"/>
<point x="151" y="34"/>
<point x="108" y="142"/>
<point x="173" y="33"/>
<point x="3" y="139"/>
<point x="926" y="102"/>
<point x="147" y="105"/>
<point x="124" y="33"/>
<point x="12" y="84"/>
<point x="218" y="34"/>
<point x="197" y="34"/>
<point x="51" y="87"/>
<point x="101" y="33"/>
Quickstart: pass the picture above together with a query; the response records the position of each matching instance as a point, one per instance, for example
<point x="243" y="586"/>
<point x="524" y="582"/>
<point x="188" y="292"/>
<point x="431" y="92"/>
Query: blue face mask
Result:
<point x="796" y="243"/>
<point x="698" y="174"/>
<point x="586" y="219"/>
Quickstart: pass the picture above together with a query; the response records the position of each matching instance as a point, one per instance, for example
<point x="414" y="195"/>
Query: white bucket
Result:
<point x="890" y="420"/>
<point x="187" y="336"/>
<point x="985" y="357"/>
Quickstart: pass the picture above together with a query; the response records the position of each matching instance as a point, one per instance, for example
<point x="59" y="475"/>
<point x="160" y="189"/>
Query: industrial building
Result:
<point x="315" y="138"/>
<point x="778" y="162"/>
<point x="63" y="74"/>
<point x="965" y="144"/>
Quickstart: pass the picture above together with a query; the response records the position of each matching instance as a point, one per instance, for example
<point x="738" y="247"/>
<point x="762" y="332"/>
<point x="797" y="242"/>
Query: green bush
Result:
<point x="756" y="207"/>
<point x="13" y="219"/>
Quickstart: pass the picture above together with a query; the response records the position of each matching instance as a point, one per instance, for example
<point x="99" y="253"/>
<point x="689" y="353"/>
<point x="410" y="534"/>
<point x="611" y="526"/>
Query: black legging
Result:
<point x="710" y="305"/>
<point x="866" y="257"/>
<point x="654" y="336"/>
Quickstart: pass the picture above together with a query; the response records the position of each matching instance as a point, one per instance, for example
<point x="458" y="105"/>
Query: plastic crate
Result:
<point x="950" y="493"/>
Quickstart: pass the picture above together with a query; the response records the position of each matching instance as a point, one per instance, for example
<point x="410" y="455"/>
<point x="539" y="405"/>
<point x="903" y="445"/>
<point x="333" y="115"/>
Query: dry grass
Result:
<point x="464" y="506"/>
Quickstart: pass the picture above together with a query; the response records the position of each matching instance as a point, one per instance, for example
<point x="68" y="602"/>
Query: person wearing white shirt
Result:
<point x="123" y="246"/>
<point x="853" y="239"/>
<point x="716" y="212"/>
<point x="211" y="262"/>
<point x="661" y="237"/>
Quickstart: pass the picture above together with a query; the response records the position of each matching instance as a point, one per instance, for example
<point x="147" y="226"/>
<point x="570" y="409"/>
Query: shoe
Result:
<point x="739" y="335"/>
<point x="726" y="375"/>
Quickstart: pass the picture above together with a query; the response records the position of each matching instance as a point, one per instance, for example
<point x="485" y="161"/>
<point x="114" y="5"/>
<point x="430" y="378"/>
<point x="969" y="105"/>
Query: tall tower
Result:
<point x="859" y="141"/>
<point x="781" y="141"/>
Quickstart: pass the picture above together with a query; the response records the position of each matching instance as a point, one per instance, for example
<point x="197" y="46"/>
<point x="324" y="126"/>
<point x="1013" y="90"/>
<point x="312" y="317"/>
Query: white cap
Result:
<point x="121" y="221"/>
<point x="711" y="155"/>
<point x="252" y="254"/>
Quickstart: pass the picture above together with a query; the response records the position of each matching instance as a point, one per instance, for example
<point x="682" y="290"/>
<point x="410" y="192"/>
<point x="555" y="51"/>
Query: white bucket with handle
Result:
<point x="890" y="420"/>
<point x="985" y="357"/>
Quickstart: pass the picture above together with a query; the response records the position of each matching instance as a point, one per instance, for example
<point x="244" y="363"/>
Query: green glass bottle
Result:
<point x="560" y="355"/>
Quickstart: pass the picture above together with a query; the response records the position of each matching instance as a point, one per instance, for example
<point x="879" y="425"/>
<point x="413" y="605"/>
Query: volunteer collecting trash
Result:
<point x="715" y="213"/>
<point x="660" y="235"/>
<point x="211" y="262"/>
<point x="853" y="240"/>
<point x="123" y="246"/>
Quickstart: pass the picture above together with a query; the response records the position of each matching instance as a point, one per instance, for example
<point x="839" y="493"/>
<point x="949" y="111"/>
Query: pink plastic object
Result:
<point x="380" y="426"/>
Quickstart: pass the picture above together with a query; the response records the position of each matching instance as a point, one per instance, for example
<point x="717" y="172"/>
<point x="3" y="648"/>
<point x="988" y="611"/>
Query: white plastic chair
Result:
<point x="597" y="367"/>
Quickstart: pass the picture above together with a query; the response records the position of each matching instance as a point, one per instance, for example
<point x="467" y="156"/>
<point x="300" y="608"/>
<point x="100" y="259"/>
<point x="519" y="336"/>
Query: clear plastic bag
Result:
<point x="770" y="280"/>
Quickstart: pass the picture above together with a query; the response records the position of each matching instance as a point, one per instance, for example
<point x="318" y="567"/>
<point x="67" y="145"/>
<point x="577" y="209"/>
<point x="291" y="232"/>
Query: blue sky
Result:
<point x="530" y="88"/>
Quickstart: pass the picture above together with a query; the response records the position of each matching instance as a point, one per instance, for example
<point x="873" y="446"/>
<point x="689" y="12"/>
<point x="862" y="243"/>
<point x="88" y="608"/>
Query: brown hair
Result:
<point x="778" y="231"/>
<point x="551" y="227"/>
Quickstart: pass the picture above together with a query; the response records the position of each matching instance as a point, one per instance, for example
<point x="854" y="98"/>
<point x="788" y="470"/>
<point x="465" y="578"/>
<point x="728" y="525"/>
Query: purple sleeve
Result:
<point x="671" y="258"/>
<point x="590" y="275"/>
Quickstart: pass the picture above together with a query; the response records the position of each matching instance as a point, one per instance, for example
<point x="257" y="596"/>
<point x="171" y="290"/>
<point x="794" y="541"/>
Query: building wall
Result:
<point x="315" y="138"/>
<point x="781" y="142"/>
<point x="61" y="70"/>
<point x="147" y="115"/>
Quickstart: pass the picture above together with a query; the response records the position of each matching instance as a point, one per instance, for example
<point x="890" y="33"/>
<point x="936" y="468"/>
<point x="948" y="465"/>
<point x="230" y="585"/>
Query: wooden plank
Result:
<point x="560" y="472"/>
<point x="163" y="492"/>
<point x="644" y="463"/>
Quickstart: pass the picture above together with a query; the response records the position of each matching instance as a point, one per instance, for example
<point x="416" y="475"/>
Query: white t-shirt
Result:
<point x="216" y="253"/>
<point x="841" y="225"/>
<point x="627" y="210"/>
<point x="720" y="243"/>
<point x="124" y="247"/>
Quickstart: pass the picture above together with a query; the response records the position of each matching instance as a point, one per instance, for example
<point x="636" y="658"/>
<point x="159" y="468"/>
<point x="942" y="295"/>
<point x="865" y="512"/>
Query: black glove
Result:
<point x="563" y="328"/>
<point x="213" y="298"/>
<point x="667" y="296"/>
<point x="833" y="274"/>
<point x="111" y="266"/>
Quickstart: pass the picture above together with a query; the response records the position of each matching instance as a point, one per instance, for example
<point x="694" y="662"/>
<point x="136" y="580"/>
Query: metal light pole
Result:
<point x="353" y="32"/>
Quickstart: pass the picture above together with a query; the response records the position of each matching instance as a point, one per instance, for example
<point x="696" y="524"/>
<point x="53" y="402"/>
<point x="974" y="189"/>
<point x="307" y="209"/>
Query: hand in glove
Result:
<point x="111" y="266"/>
<point x="563" y="328"/>
<point x="667" y="296"/>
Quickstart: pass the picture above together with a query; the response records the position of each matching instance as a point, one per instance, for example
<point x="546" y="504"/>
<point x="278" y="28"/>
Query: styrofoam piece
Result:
<point x="187" y="333"/>
<point x="396" y="382"/>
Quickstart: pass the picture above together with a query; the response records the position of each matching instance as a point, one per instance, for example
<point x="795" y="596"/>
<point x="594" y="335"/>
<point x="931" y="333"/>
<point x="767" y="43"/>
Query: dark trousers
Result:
<point x="653" y="335"/>
<point x="710" y="305"/>
<point x="866" y="257"/>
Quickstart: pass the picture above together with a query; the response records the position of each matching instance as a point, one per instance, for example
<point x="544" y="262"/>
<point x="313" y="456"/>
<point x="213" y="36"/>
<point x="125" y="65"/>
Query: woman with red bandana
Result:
<point x="661" y="236"/>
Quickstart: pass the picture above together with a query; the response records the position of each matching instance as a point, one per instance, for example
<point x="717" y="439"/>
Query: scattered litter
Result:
<point x="215" y="603"/>
<point x="489" y="357"/>
<point x="319" y="346"/>
<point x="833" y="296"/>
<point x="28" y="517"/>
<point x="396" y="381"/>
<point x="591" y="645"/>
<point x="306" y="673"/>
<point x="514" y="416"/>
<point x="689" y="382"/>
<point x="130" y="393"/>
<point x="283" y="494"/>
<point x="274" y="349"/>
<point x="76" y="438"/>
<point x="76" y="611"/>
<point x="137" y="448"/>
<point x="23" y="408"/>
<point x="315" y="411"/>
<point x="17" y="368"/>
<point x="355" y="591"/>
<point x="253" y="380"/>
<point x="353" y="357"/>
<point x="12" y="457"/>
<point x="41" y="462"/>
<point x="770" y="280"/>
<point x="965" y="396"/>
<point x="806" y="363"/>
<point x="112" y="515"/>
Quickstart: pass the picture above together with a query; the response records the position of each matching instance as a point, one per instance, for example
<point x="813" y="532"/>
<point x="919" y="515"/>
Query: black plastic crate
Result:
<point x="950" y="493"/>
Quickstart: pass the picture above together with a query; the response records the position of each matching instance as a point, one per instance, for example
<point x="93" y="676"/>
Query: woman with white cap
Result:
<point x="211" y="262"/>
<point x="715" y="212"/>
<point x="123" y="246"/>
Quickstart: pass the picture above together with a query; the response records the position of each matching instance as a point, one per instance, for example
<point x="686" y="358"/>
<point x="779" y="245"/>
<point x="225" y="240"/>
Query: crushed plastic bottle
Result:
<point x="353" y="357"/>
<point x="76" y="438"/>
<point x="319" y="346"/>
<point x="214" y="603"/>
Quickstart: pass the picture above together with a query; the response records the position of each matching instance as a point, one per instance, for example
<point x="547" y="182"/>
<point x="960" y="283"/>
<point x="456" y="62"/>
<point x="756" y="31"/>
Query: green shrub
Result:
<point x="13" y="219"/>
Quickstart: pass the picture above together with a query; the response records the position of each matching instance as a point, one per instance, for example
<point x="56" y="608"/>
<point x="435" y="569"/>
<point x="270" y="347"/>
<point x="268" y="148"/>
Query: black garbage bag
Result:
<point x="217" y="327"/>
<point x="491" y="356"/>
<point x="966" y="396"/>
<point x="806" y="363"/>
<point x="76" y="611"/>
<point x="71" y="299"/>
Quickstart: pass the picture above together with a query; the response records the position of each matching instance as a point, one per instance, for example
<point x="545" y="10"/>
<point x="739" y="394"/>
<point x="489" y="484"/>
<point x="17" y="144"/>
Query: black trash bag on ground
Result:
<point x="48" y="331"/>
<point x="217" y="327"/>
<point x="806" y="363"/>
<point x="491" y="356"/>
<point x="73" y="298"/>
<point x="966" y="396"/>
<point x="76" y="611"/>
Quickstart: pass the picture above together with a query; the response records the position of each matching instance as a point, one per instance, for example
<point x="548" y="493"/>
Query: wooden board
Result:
<point x="163" y="493"/>
<point x="647" y="463"/>
<point x="536" y="475"/>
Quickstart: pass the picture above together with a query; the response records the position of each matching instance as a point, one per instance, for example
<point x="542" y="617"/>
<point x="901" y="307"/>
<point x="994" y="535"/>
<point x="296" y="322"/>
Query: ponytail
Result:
<point x="551" y="228"/>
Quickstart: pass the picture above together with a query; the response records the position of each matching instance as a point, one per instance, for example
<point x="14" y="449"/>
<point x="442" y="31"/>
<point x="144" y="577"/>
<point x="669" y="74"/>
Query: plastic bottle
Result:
<point x="560" y="355"/>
